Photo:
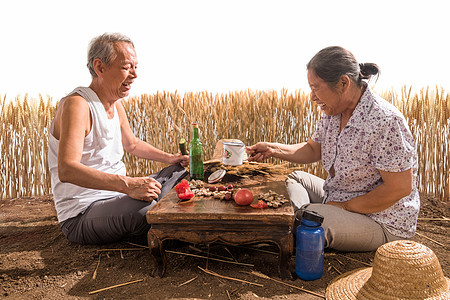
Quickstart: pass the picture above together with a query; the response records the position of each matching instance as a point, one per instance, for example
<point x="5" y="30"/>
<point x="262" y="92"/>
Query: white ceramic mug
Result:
<point x="233" y="153"/>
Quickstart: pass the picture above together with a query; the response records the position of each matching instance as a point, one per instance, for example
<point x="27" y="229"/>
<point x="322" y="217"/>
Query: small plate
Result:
<point x="216" y="176"/>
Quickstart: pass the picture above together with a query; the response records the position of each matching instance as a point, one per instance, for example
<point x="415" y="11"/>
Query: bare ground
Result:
<point x="37" y="262"/>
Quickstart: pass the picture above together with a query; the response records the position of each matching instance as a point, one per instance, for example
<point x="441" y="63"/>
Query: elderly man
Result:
<point x="95" y="201"/>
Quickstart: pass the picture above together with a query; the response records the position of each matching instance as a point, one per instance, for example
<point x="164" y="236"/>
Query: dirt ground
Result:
<point x="37" y="262"/>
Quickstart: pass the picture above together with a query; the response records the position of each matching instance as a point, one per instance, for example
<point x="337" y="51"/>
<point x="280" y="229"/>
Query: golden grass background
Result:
<point x="251" y="116"/>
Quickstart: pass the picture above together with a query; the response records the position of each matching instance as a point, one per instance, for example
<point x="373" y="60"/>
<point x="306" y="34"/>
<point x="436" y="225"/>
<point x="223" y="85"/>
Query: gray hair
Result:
<point x="102" y="47"/>
<point x="332" y="62"/>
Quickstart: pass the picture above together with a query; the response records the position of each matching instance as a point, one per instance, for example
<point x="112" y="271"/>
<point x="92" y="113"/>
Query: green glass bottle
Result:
<point x="195" y="155"/>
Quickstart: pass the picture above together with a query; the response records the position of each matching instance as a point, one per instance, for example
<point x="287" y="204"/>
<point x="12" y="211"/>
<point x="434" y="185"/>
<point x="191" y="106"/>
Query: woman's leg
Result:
<point x="348" y="231"/>
<point x="304" y="188"/>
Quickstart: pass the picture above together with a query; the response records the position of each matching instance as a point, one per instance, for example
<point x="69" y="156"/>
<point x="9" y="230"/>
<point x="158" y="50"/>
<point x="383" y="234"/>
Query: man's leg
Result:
<point x="109" y="220"/>
<point x="120" y="217"/>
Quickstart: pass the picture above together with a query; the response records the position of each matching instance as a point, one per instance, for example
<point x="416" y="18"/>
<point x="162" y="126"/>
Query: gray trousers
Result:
<point x="344" y="230"/>
<point x="118" y="218"/>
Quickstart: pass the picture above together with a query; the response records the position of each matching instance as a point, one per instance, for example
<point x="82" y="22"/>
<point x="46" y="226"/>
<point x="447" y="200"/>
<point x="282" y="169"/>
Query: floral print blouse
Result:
<point x="375" y="138"/>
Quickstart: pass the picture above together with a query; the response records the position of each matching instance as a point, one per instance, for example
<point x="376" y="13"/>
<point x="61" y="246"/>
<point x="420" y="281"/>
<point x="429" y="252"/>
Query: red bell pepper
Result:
<point x="261" y="204"/>
<point x="183" y="190"/>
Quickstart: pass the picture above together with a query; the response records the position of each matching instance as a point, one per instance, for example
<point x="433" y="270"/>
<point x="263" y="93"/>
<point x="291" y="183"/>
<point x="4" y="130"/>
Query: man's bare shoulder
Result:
<point x="74" y="101"/>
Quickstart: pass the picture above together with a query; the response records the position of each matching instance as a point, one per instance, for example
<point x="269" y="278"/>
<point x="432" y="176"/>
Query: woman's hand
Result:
<point x="143" y="188"/>
<point x="259" y="151"/>
<point x="342" y="205"/>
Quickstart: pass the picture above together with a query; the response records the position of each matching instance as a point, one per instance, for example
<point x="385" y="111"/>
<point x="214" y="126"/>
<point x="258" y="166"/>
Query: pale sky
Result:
<point x="221" y="46"/>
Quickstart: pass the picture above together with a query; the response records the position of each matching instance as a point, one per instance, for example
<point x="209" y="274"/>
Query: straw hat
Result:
<point x="401" y="270"/>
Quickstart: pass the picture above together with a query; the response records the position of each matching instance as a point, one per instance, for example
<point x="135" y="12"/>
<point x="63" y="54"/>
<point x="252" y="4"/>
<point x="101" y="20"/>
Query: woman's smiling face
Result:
<point x="328" y="99"/>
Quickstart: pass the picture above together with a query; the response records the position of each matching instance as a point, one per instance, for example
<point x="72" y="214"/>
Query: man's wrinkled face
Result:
<point x="121" y="72"/>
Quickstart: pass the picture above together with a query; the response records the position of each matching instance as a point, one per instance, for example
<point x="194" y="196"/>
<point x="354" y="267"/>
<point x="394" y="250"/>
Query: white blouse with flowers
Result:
<point x="375" y="138"/>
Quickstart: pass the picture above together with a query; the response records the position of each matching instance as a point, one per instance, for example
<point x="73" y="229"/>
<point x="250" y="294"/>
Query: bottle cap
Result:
<point x="195" y="124"/>
<point x="312" y="216"/>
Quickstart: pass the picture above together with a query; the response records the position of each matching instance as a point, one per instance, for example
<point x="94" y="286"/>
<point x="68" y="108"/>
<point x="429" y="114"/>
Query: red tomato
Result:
<point x="243" y="197"/>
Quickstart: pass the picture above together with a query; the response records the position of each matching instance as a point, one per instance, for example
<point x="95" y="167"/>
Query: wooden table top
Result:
<point x="200" y="208"/>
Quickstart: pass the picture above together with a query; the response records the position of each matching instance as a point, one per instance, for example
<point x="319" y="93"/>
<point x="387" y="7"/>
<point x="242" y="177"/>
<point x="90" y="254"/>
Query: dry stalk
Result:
<point x="226" y="277"/>
<point x="94" y="275"/>
<point x="163" y="118"/>
<point x="430" y="239"/>
<point x="339" y="272"/>
<point x="115" y="286"/>
<point x="137" y="245"/>
<point x="350" y="258"/>
<point x="215" y="259"/>
<point x="124" y="249"/>
<point x="189" y="281"/>
<point x="434" y="219"/>
<point x="281" y="282"/>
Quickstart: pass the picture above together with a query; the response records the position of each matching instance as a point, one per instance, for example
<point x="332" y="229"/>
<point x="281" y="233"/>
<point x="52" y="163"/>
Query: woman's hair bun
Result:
<point x="367" y="70"/>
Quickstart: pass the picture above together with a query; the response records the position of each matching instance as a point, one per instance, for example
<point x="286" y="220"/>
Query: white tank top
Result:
<point x="102" y="150"/>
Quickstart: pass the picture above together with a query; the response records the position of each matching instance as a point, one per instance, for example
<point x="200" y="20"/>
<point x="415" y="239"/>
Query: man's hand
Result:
<point x="143" y="188"/>
<point x="179" y="158"/>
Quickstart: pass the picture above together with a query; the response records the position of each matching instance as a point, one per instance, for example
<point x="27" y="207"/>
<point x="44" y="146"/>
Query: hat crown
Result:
<point x="401" y="270"/>
<point x="406" y="269"/>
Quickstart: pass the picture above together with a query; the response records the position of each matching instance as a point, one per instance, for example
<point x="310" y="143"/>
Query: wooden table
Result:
<point x="206" y="220"/>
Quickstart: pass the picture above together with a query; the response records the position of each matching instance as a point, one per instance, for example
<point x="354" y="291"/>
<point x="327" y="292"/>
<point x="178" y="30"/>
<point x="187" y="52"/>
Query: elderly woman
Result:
<point x="369" y="196"/>
<point x="96" y="202"/>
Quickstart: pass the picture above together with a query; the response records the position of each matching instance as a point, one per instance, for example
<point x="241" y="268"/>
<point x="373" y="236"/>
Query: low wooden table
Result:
<point x="206" y="220"/>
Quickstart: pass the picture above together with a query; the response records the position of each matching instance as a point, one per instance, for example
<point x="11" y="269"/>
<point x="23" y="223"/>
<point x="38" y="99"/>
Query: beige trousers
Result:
<point x="344" y="230"/>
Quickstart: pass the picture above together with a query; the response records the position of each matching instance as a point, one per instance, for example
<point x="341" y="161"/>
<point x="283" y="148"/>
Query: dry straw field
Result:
<point x="163" y="118"/>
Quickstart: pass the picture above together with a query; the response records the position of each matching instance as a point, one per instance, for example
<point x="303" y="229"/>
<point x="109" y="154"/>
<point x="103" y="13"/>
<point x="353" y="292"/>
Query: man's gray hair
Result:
<point x="102" y="47"/>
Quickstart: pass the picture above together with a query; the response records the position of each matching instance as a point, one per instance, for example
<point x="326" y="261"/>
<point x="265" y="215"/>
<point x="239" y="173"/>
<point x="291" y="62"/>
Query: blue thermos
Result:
<point x="310" y="246"/>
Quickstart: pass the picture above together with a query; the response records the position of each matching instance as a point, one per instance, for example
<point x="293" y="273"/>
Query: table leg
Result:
<point x="158" y="254"/>
<point x="286" y="245"/>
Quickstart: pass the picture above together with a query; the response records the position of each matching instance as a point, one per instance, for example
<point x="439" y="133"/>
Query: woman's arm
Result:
<point x="395" y="186"/>
<point x="303" y="153"/>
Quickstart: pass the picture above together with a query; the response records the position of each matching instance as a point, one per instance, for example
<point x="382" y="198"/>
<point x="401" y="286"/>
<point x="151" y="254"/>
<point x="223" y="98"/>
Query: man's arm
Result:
<point x="142" y="149"/>
<point x="74" y="124"/>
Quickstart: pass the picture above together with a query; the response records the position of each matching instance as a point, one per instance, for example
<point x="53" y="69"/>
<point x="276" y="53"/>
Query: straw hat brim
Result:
<point x="350" y="286"/>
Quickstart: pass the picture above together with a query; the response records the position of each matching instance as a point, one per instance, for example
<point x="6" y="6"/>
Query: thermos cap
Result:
<point x="312" y="216"/>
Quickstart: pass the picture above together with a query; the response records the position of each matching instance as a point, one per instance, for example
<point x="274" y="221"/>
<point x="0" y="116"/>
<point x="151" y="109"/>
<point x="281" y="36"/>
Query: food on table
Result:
<point x="261" y="205"/>
<point x="272" y="199"/>
<point x="182" y="145"/>
<point x="183" y="190"/>
<point x="221" y="188"/>
<point x="228" y="196"/>
<point x="196" y="184"/>
<point x="268" y="199"/>
<point x="243" y="197"/>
